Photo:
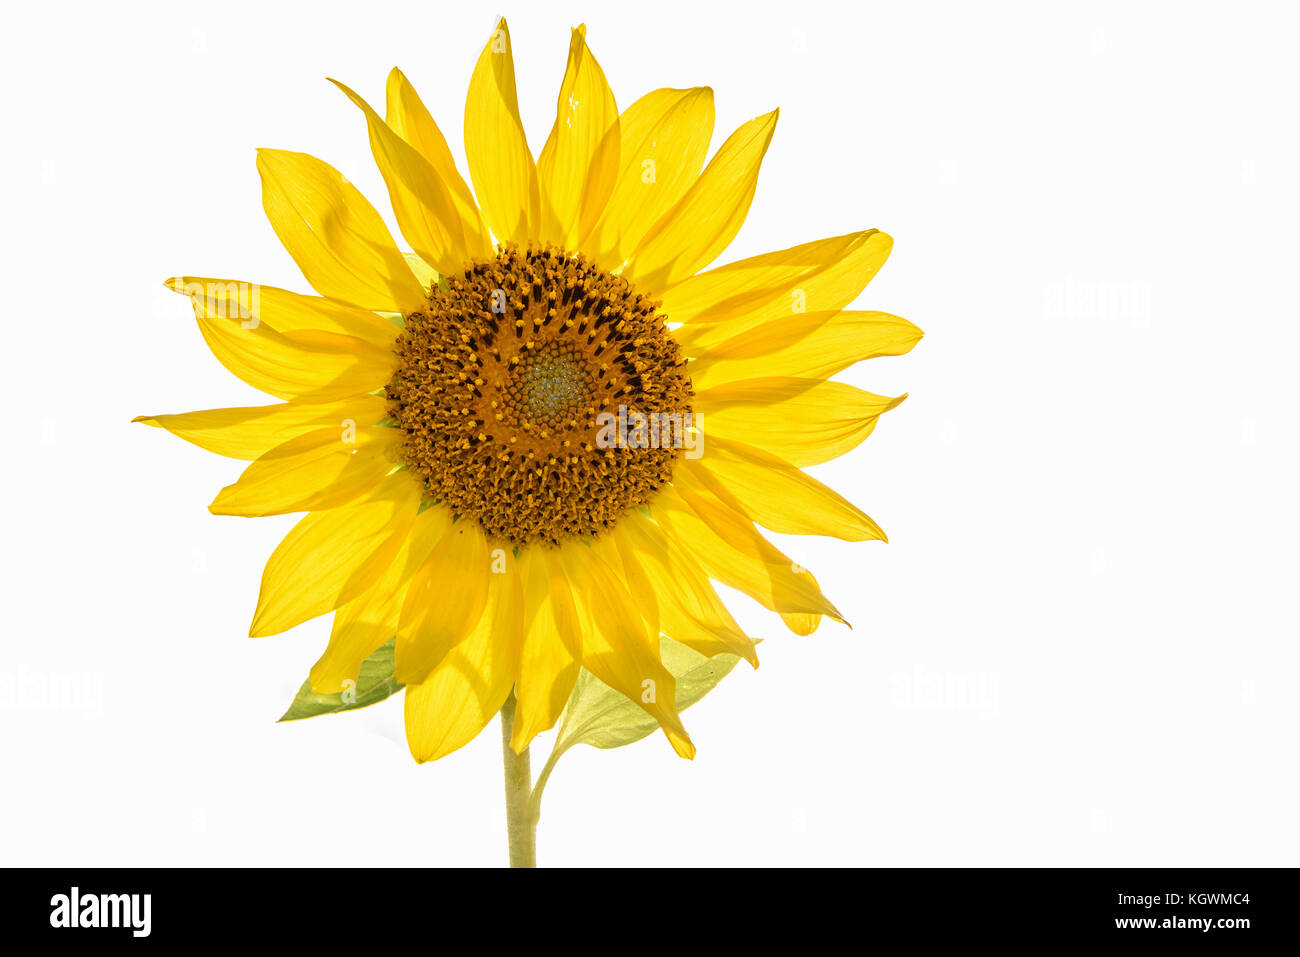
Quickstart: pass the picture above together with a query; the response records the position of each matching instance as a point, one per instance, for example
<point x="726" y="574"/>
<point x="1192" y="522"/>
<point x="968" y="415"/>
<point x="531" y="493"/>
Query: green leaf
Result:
<point x="375" y="682"/>
<point x="598" y="715"/>
<point x="604" y="718"/>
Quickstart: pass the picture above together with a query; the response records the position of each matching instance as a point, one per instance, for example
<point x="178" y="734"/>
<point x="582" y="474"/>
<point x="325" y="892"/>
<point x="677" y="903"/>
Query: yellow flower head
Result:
<point x="528" y="446"/>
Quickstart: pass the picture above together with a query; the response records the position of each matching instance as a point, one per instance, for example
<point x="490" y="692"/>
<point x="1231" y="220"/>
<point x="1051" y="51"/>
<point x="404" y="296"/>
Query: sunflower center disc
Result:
<point x="508" y="377"/>
<point x="550" y="383"/>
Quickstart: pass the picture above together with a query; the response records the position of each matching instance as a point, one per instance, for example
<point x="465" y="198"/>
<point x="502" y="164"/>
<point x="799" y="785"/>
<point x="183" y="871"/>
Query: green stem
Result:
<point x="521" y="814"/>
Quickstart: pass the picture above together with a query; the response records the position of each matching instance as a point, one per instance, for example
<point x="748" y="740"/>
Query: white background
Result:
<point x="1080" y="647"/>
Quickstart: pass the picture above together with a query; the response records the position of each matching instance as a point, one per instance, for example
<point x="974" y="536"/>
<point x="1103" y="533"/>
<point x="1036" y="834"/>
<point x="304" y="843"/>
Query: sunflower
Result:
<point x="532" y="444"/>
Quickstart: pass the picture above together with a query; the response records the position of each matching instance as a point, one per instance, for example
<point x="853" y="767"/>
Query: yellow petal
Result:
<point x="426" y="212"/>
<point x="321" y="469"/>
<point x="423" y="272"/>
<point x="821" y="276"/>
<point x="690" y="609"/>
<point x="406" y="115"/>
<point x="552" y="647"/>
<point x="616" y="646"/>
<point x="460" y="696"/>
<point x="253" y="304"/>
<point x="364" y="624"/>
<point x="361" y="627"/>
<point x="579" y="163"/>
<point x="703" y="222"/>
<point x="333" y="556"/>
<point x="732" y="551"/>
<point x="803" y="624"/>
<point x="664" y="138"/>
<point x="312" y="365"/>
<point x="811" y="346"/>
<point x="252" y="431"/>
<point x="500" y="165"/>
<point x="334" y="235"/>
<point x="307" y="365"/>
<point x="444" y="602"/>
<point x="625" y="563"/>
<point x="804" y="421"/>
<point x="772" y="492"/>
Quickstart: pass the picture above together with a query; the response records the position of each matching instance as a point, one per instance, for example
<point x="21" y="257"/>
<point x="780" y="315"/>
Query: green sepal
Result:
<point x="375" y="682"/>
<point x="598" y="715"/>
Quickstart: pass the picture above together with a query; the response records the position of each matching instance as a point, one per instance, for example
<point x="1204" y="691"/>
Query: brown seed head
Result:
<point x="501" y="377"/>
